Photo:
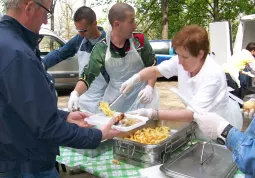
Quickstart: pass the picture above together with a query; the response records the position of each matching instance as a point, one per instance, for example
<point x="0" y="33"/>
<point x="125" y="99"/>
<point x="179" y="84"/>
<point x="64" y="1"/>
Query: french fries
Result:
<point x="149" y="135"/>
<point x="105" y="108"/>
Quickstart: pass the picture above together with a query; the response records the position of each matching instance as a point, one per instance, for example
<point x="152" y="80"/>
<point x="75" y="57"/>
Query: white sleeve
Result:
<point x="169" y="68"/>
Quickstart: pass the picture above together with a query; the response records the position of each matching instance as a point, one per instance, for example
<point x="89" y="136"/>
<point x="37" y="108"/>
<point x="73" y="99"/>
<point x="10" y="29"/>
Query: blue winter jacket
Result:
<point x="243" y="148"/>
<point x="31" y="126"/>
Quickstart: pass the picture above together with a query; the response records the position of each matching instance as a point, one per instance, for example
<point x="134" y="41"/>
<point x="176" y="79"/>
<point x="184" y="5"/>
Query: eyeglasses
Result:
<point x="49" y="13"/>
<point x="83" y="30"/>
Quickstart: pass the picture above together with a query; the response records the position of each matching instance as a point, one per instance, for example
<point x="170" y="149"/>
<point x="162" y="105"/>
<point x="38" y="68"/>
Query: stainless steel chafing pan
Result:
<point x="144" y="155"/>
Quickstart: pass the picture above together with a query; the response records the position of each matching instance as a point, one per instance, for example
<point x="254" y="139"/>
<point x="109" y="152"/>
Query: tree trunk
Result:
<point x="52" y="28"/>
<point x="216" y="10"/>
<point x="52" y="9"/>
<point x="52" y="22"/>
<point x="84" y="2"/>
<point x="164" y="8"/>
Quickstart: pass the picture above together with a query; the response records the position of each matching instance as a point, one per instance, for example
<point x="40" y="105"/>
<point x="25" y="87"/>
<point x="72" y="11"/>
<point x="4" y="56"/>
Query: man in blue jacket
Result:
<point x="31" y="126"/>
<point x="241" y="144"/>
<point x="82" y="44"/>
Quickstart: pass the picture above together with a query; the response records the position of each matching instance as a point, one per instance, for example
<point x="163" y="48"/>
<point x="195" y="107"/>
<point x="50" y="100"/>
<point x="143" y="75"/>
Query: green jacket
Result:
<point x="97" y="58"/>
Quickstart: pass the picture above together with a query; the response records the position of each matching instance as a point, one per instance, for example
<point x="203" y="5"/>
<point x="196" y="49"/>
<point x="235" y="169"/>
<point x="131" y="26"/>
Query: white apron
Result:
<point x="90" y="99"/>
<point x="120" y="70"/>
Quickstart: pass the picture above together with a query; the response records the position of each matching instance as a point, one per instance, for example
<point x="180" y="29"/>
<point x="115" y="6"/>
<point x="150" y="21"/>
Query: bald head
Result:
<point x="14" y="4"/>
<point x="118" y="12"/>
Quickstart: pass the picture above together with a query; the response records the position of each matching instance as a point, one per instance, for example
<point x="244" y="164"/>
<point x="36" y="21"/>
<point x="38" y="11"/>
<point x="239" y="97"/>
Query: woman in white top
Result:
<point x="200" y="79"/>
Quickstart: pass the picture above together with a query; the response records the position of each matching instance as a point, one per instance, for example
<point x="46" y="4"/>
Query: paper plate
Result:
<point x="101" y="119"/>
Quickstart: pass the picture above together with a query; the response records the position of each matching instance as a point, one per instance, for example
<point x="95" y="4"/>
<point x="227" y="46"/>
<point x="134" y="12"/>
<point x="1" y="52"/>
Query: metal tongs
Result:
<point x="114" y="101"/>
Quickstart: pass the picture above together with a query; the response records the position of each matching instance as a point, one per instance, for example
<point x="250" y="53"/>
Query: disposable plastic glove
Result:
<point x="146" y="112"/>
<point x="211" y="124"/>
<point x="73" y="100"/>
<point x="127" y="86"/>
<point x="146" y="95"/>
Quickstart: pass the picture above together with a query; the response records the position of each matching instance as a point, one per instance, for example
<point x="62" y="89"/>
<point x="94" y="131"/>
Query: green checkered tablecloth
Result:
<point x="102" y="165"/>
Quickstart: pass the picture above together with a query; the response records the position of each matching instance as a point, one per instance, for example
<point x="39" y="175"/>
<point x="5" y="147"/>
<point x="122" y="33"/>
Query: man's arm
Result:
<point x="149" y="59"/>
<point x="66" y="51"/>
<point x="243" y="148"/>
<point x="35" y="105"/>
<point x="63" y="114"/>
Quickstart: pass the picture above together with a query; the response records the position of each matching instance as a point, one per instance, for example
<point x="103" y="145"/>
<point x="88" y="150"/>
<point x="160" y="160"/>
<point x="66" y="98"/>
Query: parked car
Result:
<point x="66" y="73"/>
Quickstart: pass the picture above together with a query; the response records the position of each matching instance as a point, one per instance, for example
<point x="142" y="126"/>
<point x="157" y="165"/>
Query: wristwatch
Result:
<point x="222" y="138"/>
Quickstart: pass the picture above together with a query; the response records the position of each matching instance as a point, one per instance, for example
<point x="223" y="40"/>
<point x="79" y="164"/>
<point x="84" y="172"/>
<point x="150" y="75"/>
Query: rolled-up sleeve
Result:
<point x="243" y="149"/>
<point x="36" y="109"/>
<point x="169" y="68"/>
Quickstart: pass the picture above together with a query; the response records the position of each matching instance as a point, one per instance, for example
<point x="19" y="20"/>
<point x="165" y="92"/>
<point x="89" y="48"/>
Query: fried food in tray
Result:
<point x="121" y="119"/>
<point x="126" y="122"/>
<point x="149" y="135"/>
<point x="105" y="108"/>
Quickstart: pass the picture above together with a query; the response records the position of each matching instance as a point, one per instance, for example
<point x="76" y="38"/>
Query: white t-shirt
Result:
<point x="207" y="90"/>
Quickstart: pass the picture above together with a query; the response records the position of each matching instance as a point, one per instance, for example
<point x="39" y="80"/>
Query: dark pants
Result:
<point x="44" y="174"/>
<point x="245" y="82"/>
<point x="231" y="83"/>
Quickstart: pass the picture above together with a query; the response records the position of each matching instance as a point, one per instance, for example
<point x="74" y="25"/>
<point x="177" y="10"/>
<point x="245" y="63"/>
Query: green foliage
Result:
<point x="183" y="12"/>
<point x="2" y="6"/>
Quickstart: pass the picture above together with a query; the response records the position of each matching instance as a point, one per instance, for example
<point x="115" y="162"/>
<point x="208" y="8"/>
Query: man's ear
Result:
<point x="29" y="9"/>
<point x="116" y="23"/>
<point x="94" y="23"/>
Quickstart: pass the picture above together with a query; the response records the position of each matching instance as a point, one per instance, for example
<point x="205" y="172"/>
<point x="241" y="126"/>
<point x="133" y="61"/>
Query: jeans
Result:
<point x="52" y="173"/>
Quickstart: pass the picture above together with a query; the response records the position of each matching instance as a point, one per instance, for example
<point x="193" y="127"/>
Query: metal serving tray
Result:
<point x="214" y="161"/>
<point x="104" y="146"/>
<point x="144" y="155"/>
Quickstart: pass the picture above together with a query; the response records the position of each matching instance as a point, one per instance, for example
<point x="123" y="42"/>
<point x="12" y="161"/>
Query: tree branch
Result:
<point x="152" y="23"/>
<point x="153" y="2"/>
<point x="207" y="9"/>
<point x="209" y="3"/>
<point x="220" y="8"/>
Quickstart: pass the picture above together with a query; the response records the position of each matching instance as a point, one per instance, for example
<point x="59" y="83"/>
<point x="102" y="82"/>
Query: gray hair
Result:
<point x="12" y="4"/>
